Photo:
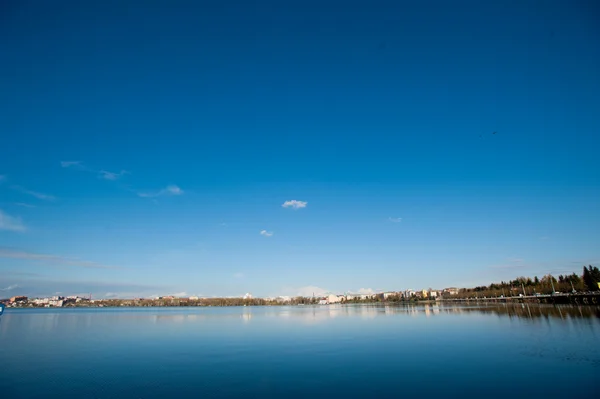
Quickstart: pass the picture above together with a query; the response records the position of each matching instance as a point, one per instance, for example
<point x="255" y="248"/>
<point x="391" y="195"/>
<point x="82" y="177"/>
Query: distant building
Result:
<point x="424" y="293"/>
<point x="194" y="298"/>
<point x="16" y="299"/>
<point x="386" y="295"/>
<point x="433" y="294"/>
<point x="248" y="296"/>
<point x="451" y="291"/>
<point x="350" y="297"/>
<point x="334" y="298"/>
<point x="57" y="303"/>
<point x="323" y="302"/>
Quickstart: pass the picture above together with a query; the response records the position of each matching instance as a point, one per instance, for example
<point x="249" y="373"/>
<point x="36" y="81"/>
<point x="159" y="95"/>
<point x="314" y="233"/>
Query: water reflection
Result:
<point x="45" y="320"/>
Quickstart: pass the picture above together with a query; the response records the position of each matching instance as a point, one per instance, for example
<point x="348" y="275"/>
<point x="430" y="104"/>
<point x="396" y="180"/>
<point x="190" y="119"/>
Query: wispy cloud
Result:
<point x="24" y="205"/>
<point x="366" y="291"/>
<point x="71" y="164"/>
<point x="169" y="190"/>
<point x="106" y="175"/>
<point x="238" y="275"/>
<point x="11" y="223"/>
<point x="54" y="260"/>
<point x="102" y="173"/>
<point x="295" y="204"/>
<point x="395" y="220"/>
<point x="266" y="233"/>
<point x="2" y="178"/>
<point x="42" y="196"/>
<point x="10" y="287"/>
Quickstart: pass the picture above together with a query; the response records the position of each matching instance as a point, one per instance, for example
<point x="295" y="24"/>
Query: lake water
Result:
<point x="300" y="352"/>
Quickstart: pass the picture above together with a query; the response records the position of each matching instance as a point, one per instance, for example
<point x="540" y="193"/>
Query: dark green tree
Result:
<point x="588" y="279"/>
<point x="594" y="278"/>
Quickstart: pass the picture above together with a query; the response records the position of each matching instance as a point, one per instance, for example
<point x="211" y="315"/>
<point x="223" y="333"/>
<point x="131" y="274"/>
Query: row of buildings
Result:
<point x="400" y="295"/>
<point x="53" y="301"/>
<point x="60" y="301"/>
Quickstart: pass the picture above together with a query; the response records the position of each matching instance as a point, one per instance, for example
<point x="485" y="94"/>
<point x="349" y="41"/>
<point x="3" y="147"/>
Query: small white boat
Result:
<point x="1" y="308"/>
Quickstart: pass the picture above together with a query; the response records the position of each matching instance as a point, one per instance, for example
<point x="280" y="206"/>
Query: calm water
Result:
<point x="299" y="352"/>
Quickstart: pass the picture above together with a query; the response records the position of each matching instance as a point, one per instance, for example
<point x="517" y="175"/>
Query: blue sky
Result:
<point x="145" y="148"/>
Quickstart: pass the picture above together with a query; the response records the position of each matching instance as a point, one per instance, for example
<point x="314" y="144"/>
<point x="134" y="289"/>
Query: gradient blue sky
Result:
<point x="145" y="145"/>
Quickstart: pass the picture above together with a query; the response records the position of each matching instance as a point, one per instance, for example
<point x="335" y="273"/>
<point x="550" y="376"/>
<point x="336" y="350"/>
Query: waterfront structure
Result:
<point x="331" y="298"/>
<point x="16" y="299"/>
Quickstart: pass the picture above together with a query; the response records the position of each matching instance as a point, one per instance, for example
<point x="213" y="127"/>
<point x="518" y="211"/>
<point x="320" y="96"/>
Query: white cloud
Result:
<point x="395" y="220"/>
<point x="10" y="287"/>
<point x="266" y="233"/>
<point x="294" y="204"/>
<point x="169" y="190"/>
<point x="238" y="275"/>
<point x="309" y="290"/>
<point x="55" y="260"/>
<point x="104" y="174"/>
<point x="179" y="294"/>
<point x="366" y="291"/>
<point x="24" y="205"/>
<point x="11" y="223"/>
<point x="69" y="164"/>
<point x="35" y="194"/>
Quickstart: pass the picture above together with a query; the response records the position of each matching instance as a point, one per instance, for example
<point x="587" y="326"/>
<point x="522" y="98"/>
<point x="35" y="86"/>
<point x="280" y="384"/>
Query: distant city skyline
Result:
<point x="285" y="149"/>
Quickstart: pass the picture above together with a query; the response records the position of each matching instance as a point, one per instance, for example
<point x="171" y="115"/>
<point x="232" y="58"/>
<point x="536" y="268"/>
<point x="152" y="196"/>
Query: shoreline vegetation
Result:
<point x="564" y="289"/>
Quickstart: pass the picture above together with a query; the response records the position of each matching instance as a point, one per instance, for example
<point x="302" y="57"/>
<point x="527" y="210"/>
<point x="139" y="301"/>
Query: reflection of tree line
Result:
<point x="529" y="311"/>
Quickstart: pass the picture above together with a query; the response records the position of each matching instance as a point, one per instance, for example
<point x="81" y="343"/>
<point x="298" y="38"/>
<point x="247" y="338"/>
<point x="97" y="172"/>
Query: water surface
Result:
<point x="323" y="351"/>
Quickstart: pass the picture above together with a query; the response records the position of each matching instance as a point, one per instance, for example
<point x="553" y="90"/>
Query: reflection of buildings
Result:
<point x="246" y="316"/>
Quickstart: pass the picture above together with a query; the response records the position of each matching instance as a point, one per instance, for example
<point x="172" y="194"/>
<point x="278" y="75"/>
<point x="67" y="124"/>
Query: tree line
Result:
<point x="548" y="284"/>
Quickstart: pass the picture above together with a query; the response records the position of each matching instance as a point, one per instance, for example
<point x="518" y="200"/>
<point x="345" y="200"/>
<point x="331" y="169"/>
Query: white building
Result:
<point x="334" y="298"/>
<point x="193" y="298"/>
<point x="56" y="303"/>
<point x="248" y="296"/>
